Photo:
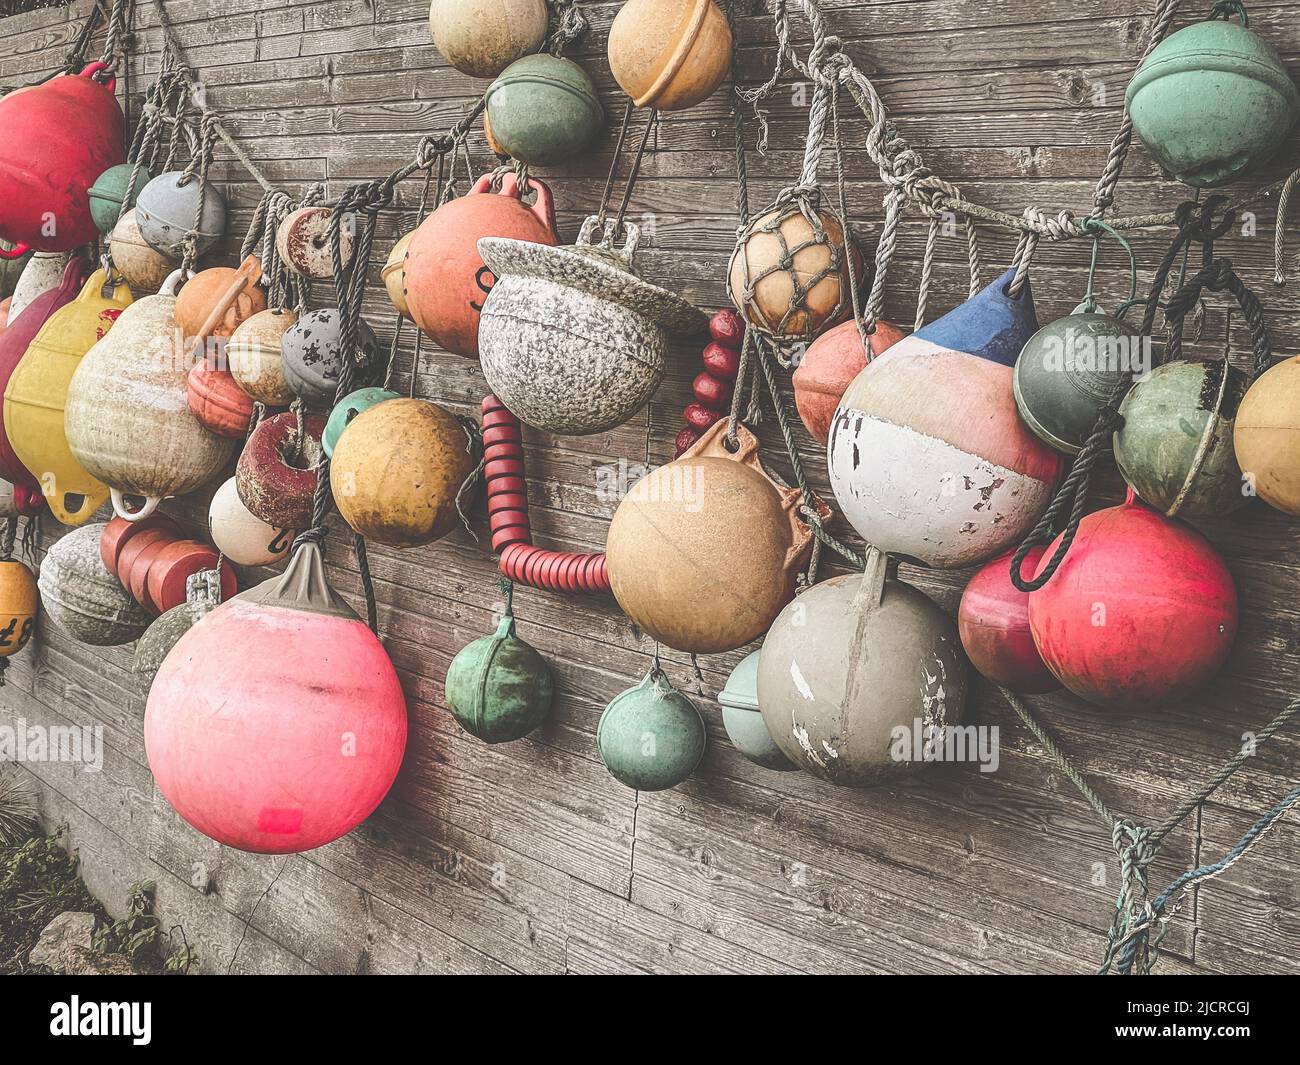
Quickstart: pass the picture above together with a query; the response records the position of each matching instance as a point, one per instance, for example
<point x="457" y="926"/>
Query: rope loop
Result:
<point x="1225" y="9"/>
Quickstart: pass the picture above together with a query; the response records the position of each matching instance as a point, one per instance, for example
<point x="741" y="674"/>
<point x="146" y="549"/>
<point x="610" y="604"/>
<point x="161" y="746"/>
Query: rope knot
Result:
<point x="1133" y="845"/>
<point x="823" y="54"/>
<point x="1042" y="224"/>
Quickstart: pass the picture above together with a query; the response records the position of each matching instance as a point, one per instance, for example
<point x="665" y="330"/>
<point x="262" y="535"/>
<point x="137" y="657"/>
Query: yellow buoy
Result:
<point x="38" y="391"/>
<point x="396" y="470"/>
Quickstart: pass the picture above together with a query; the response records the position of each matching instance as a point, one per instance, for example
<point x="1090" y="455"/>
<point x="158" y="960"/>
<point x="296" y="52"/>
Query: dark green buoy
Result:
<point x="499" y="688"/>
<point x="1069" y="369"/>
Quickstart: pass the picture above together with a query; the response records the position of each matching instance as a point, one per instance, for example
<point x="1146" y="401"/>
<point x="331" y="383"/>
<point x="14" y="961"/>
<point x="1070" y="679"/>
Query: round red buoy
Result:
<point x="994" y="624"/>
<point x="1142" y="611"/>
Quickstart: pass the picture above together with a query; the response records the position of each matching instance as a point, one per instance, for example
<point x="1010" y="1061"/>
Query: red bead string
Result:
<point x="714" y="386"/>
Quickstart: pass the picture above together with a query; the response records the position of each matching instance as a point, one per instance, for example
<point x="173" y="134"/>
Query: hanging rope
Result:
<point x="569" y="25"/>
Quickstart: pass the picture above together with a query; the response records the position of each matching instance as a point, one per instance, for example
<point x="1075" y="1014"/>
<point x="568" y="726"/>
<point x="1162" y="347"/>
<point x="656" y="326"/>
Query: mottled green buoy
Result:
<point x="1212" y="102"/>
<point x="108" y="191"/>
<point x="348" y="408"/>
<point x="1181" y="411"/>
<point x="11" y="269"/>
<point x="1066" y="372"/>
<point x="543" y="110"/>
<point x="499" y="688"/>
<point x="202" y="596"/>
<point x="651" y="737"/>
<point x="743" y="721"/>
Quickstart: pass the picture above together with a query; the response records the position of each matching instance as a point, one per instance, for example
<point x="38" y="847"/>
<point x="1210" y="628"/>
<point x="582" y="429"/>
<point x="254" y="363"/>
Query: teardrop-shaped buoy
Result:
<point x="928" y="457"/>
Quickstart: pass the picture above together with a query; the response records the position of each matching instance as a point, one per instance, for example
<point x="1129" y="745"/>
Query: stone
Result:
<point x="67" y="930"/>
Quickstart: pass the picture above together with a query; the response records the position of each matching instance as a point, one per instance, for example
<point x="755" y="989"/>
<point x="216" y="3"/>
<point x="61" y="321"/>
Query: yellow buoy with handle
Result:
<point x="38" y="391"/>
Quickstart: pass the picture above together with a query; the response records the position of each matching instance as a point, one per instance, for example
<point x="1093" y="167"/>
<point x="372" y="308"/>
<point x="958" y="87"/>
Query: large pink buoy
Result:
<point x="277" y="723"/>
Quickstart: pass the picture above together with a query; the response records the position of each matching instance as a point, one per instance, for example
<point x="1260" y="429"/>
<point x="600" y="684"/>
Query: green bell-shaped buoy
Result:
<point x="202" y="596"/>
<point x="651" y="737"/>
<point x="1068" y="370"/>
<point x="743" y="721"/>
<point x="108" y="191"/>
<point x="348" y="408"/>
<point x="499" y="688"/>
<point x="1213" y="101"/>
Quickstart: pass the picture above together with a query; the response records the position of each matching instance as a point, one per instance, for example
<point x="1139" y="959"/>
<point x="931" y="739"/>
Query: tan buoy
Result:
<point x="789" y="274"/>
<point x="703" y="552"/>
<point x="483" y="37"/>
<point x="128" y="418"/>
<point x="144" y="269"/>
<point x="1266" y="436"/>
<point x="396" y="470"/>
<point x="255" y="359"/>
<point x="394" y="275"/>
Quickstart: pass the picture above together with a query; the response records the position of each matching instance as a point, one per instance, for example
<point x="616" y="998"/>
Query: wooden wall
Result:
<point x="529" y="857"/>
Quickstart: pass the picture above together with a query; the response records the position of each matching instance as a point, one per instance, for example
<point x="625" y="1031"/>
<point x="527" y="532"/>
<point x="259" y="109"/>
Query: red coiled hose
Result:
<point x="507" y="500"/>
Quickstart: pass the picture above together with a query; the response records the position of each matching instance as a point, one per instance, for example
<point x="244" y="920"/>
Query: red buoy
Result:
<point x="277" y="723"/>
<point x="56" y="138"/>
<point x="1142" y="611"/>
<point x="993" y="620"/>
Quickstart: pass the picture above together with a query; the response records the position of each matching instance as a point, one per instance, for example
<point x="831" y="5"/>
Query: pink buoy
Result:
<point x="277" y="723"/>
<point x="1142" y="611"/>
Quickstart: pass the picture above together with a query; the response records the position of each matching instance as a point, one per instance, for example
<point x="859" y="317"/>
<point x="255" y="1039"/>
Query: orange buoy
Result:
<point x="446" y="279"/>
<point x="669" y="54"/>
<point x="18" y="602"/>
<point x="829" y="366"/>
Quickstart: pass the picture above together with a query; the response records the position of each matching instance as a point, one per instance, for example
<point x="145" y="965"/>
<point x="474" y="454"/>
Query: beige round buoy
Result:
<point x="145" y="270"/>
<point x="1266" y="436"/>
<point x="483" y="37"/>
<point x="789" y="274"/>
<point x="254" y="356"/>
<point x="394" y="275"/>
<point x="242" y="536"/>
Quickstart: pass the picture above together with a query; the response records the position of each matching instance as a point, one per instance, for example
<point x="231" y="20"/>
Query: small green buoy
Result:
<point x="651" y="737"/>
<point x="499" y="688"/>
<point x="108" y="191"/>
